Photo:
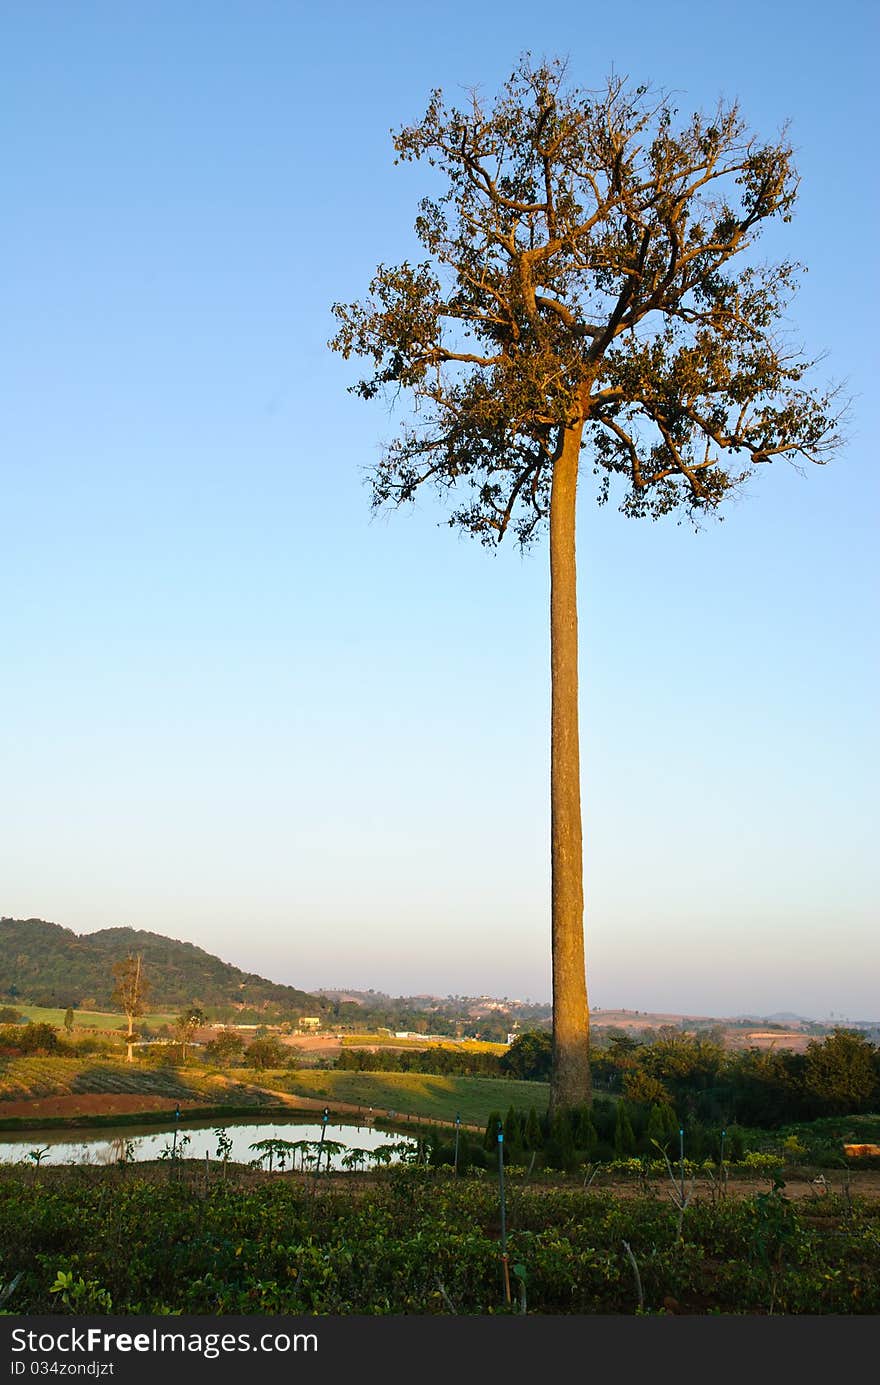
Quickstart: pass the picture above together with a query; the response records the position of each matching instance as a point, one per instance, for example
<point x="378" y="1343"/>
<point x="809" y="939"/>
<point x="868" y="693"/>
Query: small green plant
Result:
<point x="774" y="1230"/>
<point x="521" y="1277"/>
<point x="81" y="1295"/>
<point x="224" y="1147"/>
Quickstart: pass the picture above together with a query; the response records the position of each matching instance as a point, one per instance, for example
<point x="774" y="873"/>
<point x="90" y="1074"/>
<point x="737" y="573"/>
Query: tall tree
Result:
<point x="588" y="287"/>
<point x="130" y="992"/>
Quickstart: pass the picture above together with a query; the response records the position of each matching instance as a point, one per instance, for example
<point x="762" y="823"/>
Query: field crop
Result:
<point x="32" y="1077"/>
<point x="411" y="1240"/>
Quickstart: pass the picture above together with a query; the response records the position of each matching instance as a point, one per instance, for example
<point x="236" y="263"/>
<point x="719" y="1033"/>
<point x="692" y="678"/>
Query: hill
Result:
<point x="46" y="964"/>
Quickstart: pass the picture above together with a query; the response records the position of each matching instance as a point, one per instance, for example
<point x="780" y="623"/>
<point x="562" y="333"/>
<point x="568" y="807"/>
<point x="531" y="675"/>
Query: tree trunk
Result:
<point x="135" y="1006"/>
<point x="570" y="1083"/>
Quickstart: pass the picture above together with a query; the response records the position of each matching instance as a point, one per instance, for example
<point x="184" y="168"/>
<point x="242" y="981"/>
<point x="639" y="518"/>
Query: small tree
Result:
<point x="265" y="1053"/>
<point x="534" y="1135"/>
<point x="585" y="1134"/>
<point x="490" y="1136"/>
<point x="624" y="1135"/>
<point x="588" y="285"/>
<point x="530" y="1056"/>
<point x="662" y="1125"/>
<point x="560" y="1146"/>
<point x="226" y="1049"/>
<point x="188" y="1021"/>
<point x="130" y="993"/>
<point x="68" y="1020"/>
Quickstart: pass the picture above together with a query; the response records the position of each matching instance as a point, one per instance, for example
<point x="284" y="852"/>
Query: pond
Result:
<point x="344" y="1146"/>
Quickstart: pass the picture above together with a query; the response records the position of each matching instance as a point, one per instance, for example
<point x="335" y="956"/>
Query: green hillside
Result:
<point x="46" y="964"/>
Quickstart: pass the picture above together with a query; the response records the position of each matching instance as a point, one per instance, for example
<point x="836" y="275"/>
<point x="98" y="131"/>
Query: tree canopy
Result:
<point x="588" y="259"/>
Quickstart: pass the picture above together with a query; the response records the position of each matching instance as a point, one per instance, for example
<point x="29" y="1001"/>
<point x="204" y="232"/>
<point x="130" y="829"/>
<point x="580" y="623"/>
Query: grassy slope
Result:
<point x="411" y="1094"/>
<point x="420" y="1094"/>
<point x="33" y="1077"/>
<point x="87" y="1019"/>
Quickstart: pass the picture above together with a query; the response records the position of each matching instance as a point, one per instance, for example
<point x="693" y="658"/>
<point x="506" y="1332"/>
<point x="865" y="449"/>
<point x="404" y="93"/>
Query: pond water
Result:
<point x="195" y="1139"/>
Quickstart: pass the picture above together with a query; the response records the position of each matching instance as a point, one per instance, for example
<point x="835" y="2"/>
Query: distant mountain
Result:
<point x="49" y="965"/>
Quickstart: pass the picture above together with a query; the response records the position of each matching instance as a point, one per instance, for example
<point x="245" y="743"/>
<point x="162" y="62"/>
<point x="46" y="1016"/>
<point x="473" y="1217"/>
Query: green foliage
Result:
<point x="715" y="1089"/>
<point x="490" y="1137"/>
<point x="559" y="1150"/>
<point x="32" y="1038"/>
<point x="529" y="1056"/>
<point x="624" y="1136"/>
<point x="640" y="1086"/>
<point x="226" y="1050"/>
<point x="105" y="1244"/>
<point x="840" y="1072"/>
<point x="266" y="1053"/>
<point x="586" y="1137"/>
<point x="533" y="1134"/>
<point x="662" y="1127"/>
<point x="80" y="1295"/>
<point x="187" y="1023"/>
<point x="734" y="1145"/>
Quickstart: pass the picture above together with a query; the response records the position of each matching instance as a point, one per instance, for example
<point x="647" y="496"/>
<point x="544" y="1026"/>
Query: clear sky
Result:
<point x="237" y="709"/>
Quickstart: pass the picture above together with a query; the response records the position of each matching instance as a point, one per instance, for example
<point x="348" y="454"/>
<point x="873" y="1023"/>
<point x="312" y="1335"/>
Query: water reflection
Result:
<point x="277" y="1145"/>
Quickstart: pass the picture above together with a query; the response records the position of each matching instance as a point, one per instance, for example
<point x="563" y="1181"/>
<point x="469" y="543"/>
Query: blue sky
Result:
<point x="238" y="709"/>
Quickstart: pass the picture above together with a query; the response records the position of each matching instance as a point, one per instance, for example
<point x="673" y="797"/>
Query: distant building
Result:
<point x="310" y="1022"/>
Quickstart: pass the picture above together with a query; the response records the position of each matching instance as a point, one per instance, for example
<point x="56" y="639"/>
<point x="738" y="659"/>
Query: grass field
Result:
<point x="88" y="1019"/>
<point x="418" y="1094"/>
<point x="33" y="1078"/>
<point x="409" y="1094"/>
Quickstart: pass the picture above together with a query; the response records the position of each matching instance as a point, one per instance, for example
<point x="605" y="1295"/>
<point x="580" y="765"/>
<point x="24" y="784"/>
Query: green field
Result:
<point x="33" y="1077"/>
<point x="419" y="1241"/>
<point x="88" y="1019"/>
<point x="418" y="1094"/>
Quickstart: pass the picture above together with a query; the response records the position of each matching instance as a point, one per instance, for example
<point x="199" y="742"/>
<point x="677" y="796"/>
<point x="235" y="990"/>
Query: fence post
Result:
<point x="505" y="1268"/>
